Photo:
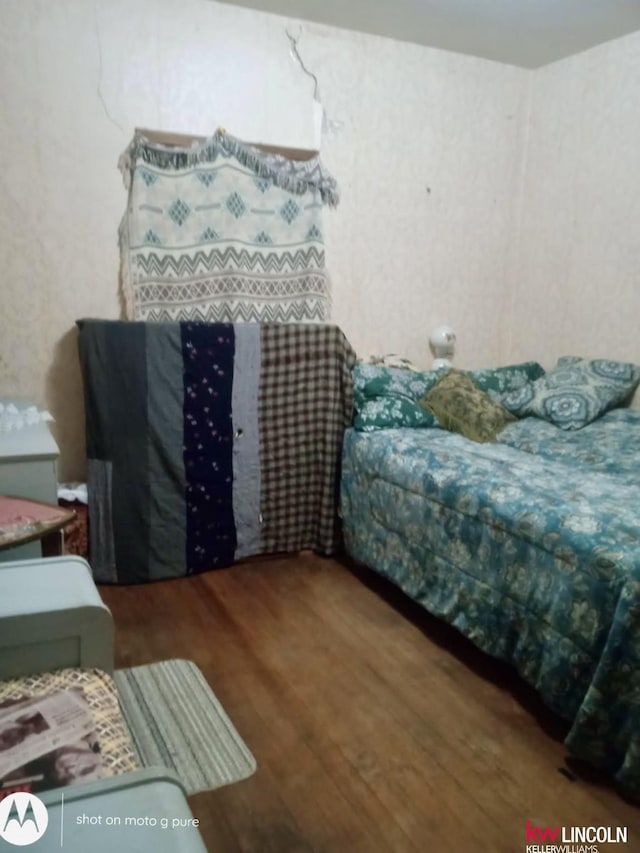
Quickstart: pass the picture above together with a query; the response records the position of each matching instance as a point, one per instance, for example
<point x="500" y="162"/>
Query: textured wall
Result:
<point x="79" y="75"/>
<point x="575" y="277"/>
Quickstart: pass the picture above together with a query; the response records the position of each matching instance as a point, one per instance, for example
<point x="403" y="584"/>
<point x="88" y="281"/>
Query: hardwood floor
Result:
<point x="375" y="727"/>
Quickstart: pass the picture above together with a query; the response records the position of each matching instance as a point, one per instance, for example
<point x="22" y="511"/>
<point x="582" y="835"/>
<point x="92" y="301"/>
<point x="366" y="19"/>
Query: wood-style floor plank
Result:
<point x="374" y="726"/>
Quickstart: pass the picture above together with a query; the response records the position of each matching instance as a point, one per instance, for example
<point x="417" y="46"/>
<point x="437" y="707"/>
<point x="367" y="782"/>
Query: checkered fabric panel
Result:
<point x="102" y="698"/>
<point x="305" y="405"/>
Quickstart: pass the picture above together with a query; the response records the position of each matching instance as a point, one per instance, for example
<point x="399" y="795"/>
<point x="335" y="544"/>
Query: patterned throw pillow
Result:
<point x="461" y="406"/>
<point x="391" y="413"/>
<point x="500" y="381"/>
<point x="376" y="380"/>
<point x="576" y="391"/>
<point x="387" y="397"/>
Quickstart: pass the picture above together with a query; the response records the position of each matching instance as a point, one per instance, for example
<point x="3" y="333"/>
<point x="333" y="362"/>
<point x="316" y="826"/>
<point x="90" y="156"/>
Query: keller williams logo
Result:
<point x="536" y="834"/>
<point x="572" y="839"/>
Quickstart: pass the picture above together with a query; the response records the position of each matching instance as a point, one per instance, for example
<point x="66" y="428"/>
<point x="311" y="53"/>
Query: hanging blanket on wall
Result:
<point x="223" y="232"/>
<point x="211" y="442"/>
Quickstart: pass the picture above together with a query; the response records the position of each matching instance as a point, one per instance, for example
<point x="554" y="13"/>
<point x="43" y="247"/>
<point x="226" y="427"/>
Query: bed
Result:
<point x="530" y="546"/>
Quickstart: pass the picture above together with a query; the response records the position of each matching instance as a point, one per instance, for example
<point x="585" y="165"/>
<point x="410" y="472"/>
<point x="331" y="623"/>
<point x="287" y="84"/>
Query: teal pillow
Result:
<point x="387" y="397"/>
<point x="500" y="381"/>
<point x="576" y="391"/>
<point x="390" y="413"/>
<point x="374" y="380"/>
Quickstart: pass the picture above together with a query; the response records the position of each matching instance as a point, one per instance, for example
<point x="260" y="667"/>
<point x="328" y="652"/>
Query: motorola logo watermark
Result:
<point x="23" y="819"/>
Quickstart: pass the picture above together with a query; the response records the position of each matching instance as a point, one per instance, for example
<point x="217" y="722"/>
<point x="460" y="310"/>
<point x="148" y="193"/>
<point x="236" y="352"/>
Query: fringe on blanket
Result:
<point x="296" y="176"/>
<point x="126" y="278"/>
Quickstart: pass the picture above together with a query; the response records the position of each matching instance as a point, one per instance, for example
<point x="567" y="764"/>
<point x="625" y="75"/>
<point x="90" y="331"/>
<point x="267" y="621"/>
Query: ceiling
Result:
<point x="529" y="33"/>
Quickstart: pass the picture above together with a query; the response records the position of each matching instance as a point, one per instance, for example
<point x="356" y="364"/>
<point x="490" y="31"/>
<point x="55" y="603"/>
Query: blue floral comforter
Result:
<point x="530" y="547"/>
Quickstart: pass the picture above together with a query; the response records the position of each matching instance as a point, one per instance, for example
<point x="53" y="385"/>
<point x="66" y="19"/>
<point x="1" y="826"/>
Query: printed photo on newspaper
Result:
<point x="47" y="743"/>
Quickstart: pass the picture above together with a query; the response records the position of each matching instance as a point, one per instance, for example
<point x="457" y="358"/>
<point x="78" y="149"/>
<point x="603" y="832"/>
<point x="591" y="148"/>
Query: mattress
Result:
<point x="530" y="547"/>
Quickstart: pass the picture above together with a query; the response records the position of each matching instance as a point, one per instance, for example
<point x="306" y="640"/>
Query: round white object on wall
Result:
<point x="442" y="342"/>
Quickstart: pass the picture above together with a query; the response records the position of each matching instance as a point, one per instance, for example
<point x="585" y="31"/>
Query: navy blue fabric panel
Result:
<point x="208" y="351"/>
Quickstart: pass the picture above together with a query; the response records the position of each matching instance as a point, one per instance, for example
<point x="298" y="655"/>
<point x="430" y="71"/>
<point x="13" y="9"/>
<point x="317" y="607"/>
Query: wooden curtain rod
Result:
<point x="184" y="140"/>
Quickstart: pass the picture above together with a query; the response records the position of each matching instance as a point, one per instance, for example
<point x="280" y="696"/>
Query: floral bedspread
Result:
<point x="610" y="445"/>
<point x="532" y="553"/>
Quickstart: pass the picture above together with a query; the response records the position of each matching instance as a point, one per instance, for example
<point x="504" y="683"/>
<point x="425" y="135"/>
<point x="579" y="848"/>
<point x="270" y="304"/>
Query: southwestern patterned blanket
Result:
<point x="221" y="231"/>
<point x="211" y="442"/>
<point x="530" y="547"/>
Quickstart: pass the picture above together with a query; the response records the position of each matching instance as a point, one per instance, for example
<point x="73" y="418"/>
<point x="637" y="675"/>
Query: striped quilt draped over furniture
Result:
<point x="222" y="231"/>
<point x="209" y="442"/>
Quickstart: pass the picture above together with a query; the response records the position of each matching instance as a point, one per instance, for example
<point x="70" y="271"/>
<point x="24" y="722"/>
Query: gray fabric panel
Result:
<point x="103" y="556"/>
<point x="113" y="359"/>
<point x="165" y="397"/>
<point x="246" y="445"/>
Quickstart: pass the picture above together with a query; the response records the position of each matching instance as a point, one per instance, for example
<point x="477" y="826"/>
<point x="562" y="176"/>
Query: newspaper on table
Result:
<point x="48" y="742"/>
